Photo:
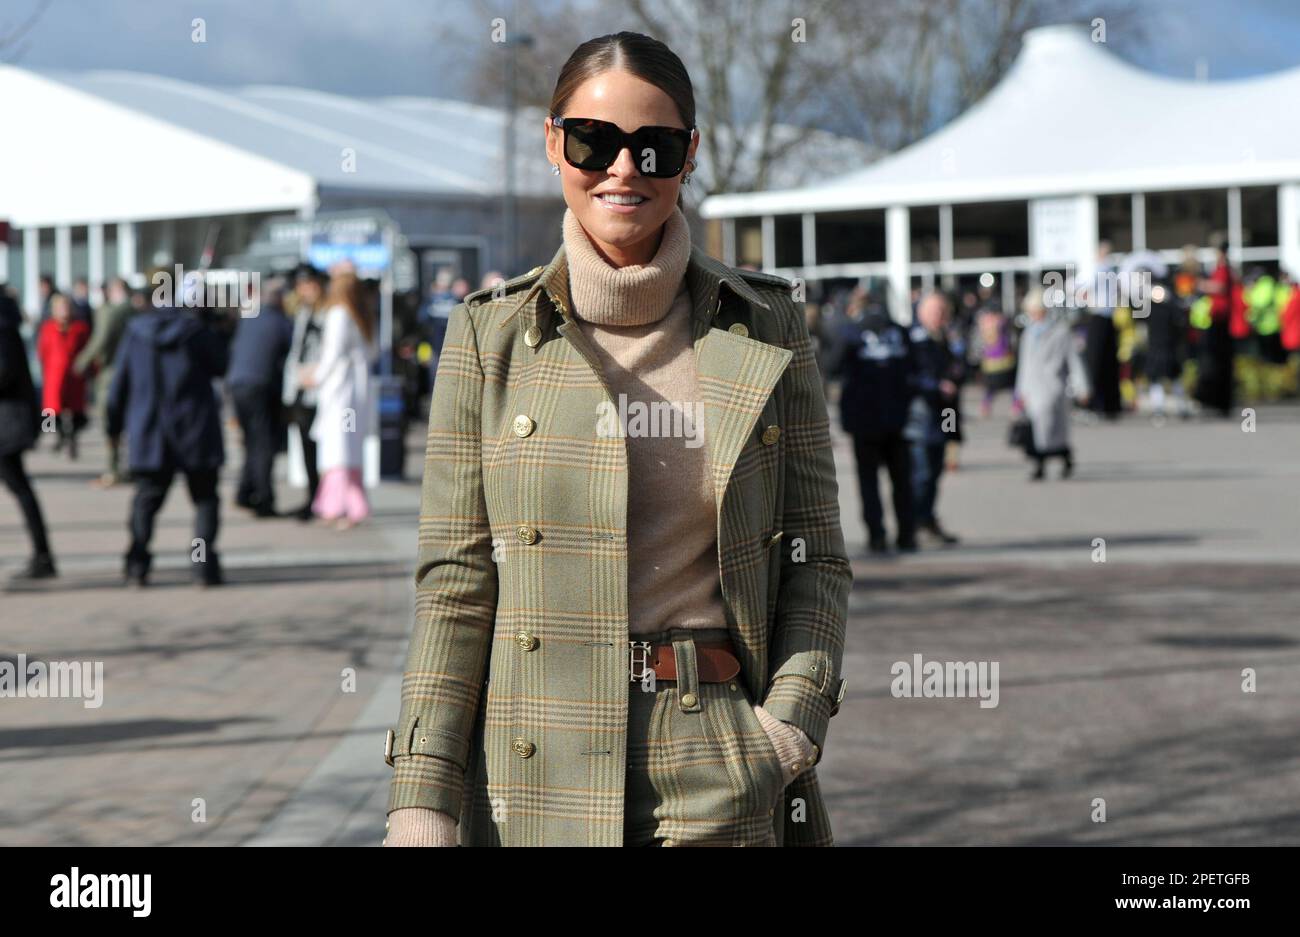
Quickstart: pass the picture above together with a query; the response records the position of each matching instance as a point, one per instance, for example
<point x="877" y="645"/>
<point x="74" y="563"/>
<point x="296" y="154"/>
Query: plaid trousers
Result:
<point x="703" y="774"/>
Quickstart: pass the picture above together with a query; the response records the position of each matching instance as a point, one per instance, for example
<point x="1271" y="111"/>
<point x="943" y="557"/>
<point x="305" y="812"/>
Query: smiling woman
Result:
<point x="604" y="600"/>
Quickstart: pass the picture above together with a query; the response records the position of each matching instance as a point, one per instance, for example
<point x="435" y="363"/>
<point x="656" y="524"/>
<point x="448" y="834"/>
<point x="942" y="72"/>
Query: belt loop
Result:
<point x="688" y="678"/>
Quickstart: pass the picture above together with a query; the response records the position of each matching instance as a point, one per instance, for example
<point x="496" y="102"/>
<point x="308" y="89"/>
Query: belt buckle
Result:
<point x="638" y="653"/>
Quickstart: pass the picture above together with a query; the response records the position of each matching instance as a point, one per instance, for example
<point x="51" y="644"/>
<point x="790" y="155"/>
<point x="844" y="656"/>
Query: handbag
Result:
<point x="1020" y="435"/>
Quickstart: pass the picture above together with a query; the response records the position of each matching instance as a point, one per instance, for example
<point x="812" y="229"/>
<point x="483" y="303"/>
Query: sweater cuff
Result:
<point x="420" y="826"/>
<point x="794" y="749"/>
<point x="798" y="701"/>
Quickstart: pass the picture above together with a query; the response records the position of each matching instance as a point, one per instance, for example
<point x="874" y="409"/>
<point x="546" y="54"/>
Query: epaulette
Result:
<point x="504" y="288"/>
<point x="765" y="279"/>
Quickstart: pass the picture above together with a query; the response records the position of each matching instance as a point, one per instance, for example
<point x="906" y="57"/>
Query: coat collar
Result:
<point x="705" y="278"/>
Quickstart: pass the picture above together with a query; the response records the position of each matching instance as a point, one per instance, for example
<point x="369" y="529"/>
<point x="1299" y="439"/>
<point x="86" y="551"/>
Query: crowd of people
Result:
<point x="900" y="384"/>
<point x="158" y="374"/>
<point x="302" y="365"/>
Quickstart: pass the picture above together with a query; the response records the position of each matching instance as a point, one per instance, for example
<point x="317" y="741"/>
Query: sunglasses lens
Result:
<point x="591" y="144"/>
<point x="661" y="152"/>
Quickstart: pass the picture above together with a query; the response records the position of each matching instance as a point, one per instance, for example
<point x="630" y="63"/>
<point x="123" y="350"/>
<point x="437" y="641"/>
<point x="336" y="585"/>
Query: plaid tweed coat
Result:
<point x="515" y="698"/>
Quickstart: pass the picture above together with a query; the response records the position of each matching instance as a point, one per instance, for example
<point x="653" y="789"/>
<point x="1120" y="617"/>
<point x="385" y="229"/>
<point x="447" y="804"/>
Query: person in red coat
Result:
<point x="63" y="391"/>
<point x="1291" y="321"/>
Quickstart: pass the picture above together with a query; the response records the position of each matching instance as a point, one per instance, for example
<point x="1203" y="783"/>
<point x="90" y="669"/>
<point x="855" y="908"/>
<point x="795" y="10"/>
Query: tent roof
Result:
<point x="115" y="145"/>
<point x="1070" y="117"/>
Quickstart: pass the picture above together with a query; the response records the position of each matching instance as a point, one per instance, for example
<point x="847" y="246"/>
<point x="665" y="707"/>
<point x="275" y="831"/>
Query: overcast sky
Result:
<point x="372" y="47"/>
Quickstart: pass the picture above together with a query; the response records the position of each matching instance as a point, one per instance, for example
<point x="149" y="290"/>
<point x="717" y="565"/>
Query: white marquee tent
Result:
<point x="1069" y="122"/>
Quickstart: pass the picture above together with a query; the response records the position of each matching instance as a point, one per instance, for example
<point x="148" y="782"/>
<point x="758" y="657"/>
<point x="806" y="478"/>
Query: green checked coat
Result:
<point x="515" y="698"/>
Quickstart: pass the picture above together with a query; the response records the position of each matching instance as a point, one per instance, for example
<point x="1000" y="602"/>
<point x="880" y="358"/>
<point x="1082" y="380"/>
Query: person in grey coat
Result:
<point x="1050" y="368"/>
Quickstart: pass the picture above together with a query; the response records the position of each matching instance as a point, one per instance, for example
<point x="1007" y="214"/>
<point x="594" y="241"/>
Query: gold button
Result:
<point x="688" y="699"/>
<point x="810" y="760"/>
<point x="794" y="767"/>
<point x="527" y="534"/>
<point x="532" y="336"/>
<point x="559" y="304"/>
<point x="771" y="812"/>
<point x="738" y="328"/>
<point x="524" y="424"/>
<point x="525" y="640"/>
<point x="523" y="748"/>
<point x="771" y="435"/>
<point x="668" y="842"/>
<point x="733" y="686"/>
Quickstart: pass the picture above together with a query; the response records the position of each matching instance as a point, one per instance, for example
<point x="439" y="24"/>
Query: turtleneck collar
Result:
<point x="634" y="295"/>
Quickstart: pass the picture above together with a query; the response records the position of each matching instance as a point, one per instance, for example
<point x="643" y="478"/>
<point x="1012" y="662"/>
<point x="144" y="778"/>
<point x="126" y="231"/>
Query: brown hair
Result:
<point x="345" y="290"/>
<point x="646" y="58"/>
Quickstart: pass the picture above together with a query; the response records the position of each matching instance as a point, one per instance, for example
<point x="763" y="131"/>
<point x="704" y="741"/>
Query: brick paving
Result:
<point x="1118" y="680"/>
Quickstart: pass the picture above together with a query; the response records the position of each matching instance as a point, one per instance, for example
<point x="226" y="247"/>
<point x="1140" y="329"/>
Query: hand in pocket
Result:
<point x="794" y="750"/>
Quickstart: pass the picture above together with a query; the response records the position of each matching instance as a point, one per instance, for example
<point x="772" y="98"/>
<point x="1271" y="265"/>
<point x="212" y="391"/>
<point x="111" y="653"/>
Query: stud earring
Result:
<point x="555" y="169"/>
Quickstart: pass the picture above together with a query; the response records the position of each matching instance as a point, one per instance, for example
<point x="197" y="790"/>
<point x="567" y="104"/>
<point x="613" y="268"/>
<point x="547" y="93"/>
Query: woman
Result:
<point x="997" y="357"/>
<point x="341" y="379"/>
<point x="632" y="583"/>
<point x="19" y="427"/>
<point x="63" y="390"/>
<point x="1050" y="366"/>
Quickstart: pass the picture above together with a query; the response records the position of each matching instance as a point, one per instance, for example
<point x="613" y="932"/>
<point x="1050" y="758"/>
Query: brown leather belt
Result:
<point x="715" y="661"/>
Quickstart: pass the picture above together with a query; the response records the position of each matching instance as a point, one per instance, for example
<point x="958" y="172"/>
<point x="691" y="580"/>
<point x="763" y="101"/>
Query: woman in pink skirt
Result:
<point x="342" y="379"/>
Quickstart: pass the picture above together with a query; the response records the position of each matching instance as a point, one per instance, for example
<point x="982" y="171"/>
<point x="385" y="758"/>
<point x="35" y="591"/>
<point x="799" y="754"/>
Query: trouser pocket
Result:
<point x="704" y="761"/>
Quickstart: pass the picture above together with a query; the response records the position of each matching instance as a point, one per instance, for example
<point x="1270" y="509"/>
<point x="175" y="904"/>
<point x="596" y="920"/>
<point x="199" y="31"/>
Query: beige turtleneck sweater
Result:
<point x="638" y="319"/>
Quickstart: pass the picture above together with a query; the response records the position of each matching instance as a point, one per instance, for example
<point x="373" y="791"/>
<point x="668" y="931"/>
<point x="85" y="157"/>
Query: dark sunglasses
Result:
<point x="595" y="144"/>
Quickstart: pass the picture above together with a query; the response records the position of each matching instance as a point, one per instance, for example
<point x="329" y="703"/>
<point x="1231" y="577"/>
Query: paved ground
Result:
<point x="1118" y="680"/>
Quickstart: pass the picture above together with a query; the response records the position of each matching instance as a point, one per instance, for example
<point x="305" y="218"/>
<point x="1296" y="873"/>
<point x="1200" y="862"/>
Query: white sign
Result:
<point x="1054" y="230"/>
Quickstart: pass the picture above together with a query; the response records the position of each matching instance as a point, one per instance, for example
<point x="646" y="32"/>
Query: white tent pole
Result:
<point x="95" y="260"/>
<point x="1087" y="239"/>
<point x="32" y="271"/>
<point x="1234" y="226"/>
<point x="809" y="240"/>
<point x="729" y="241"/>
<point x="945" y="246"/>
<point x="1288" y="225"/>
<point x="898" y="250"/>
<point x="1139" y="213"/>
<point x="63" y="256"/>
<point x="769" y="242"/>
<point x="127" y="250"/>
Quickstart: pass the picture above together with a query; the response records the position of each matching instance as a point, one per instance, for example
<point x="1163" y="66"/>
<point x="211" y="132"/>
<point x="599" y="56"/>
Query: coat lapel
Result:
<point x="736" y="374"/>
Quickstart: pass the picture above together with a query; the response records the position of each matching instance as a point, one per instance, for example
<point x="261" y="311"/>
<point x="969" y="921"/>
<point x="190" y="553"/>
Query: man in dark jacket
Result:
<point x="162" y="397"/>
<point x="19" y="426"/>
<point x="932" y="418"/>
<point x="255" y="380"/>
<point x="879" y="374"/>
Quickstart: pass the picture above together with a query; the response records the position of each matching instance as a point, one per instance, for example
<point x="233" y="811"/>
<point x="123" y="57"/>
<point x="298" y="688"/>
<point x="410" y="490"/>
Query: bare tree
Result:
<point x="12" y="44"/>
<point x="886" y="72"/>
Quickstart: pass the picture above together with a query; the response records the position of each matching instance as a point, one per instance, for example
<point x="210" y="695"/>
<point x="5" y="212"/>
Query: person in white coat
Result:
<point x="1050" y="371"/>
<point x="341" y="379"/>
